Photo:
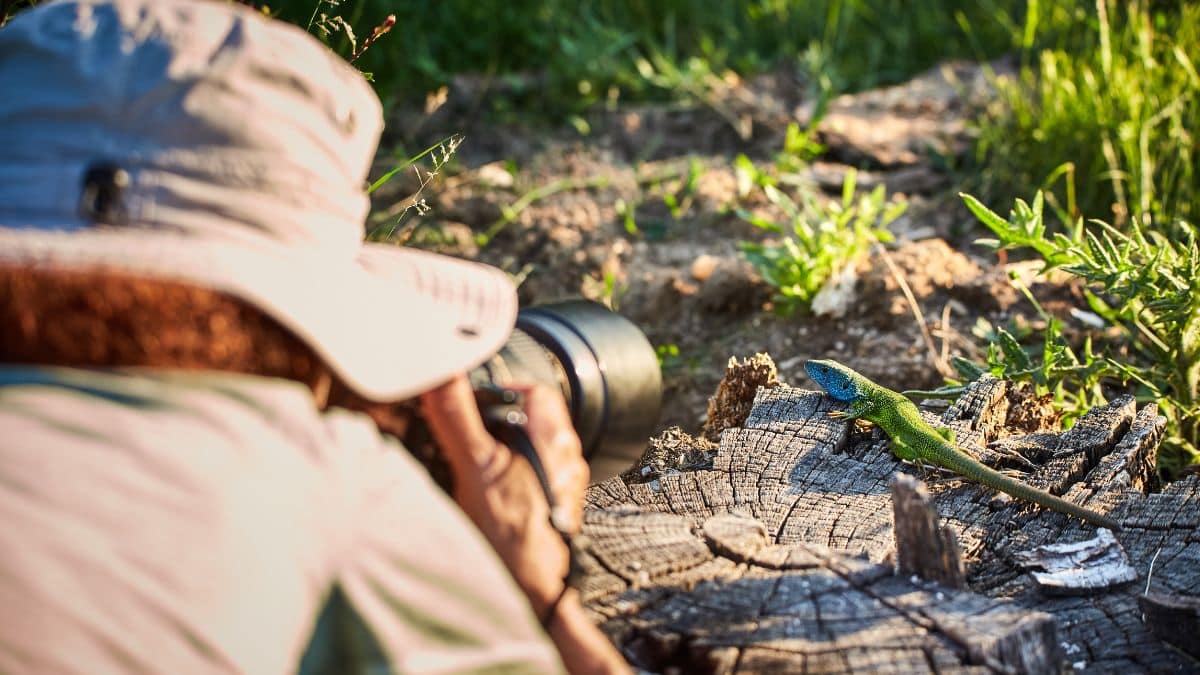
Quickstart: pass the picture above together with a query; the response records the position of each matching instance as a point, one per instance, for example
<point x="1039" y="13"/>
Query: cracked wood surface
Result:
<point x="774" y="550"/>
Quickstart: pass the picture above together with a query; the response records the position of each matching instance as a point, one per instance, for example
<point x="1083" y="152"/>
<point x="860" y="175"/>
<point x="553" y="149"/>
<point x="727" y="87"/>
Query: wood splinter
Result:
<point x="923" y="548"/>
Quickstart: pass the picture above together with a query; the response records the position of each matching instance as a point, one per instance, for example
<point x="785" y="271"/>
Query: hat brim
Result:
<point x="392" y="322"/>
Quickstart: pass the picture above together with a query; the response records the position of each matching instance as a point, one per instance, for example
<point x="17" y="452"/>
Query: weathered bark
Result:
<point x="774" y="551"/>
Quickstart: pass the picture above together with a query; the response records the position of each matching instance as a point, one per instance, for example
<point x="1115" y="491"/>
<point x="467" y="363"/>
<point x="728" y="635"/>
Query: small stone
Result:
<point x="703" y="266"/>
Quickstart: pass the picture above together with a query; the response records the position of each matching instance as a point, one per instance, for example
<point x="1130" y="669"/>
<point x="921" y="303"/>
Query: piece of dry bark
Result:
<point x="731" y="403"/>
<point x="1079" y="568"/>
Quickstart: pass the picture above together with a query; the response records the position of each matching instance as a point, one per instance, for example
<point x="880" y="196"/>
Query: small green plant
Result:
<point x="1141" y="282"/>
<point x="512" y="211"/>
<point x="679" y="203"/>
<point x="325" y="25"/>
<point x="668" y="355"/>
<point x="673" y="361"/>
<point x="800" y="146"/>
<point x="749" y="176"/>
<point x="607" y="290"/>
<point x="816" y="241"/>
<point x="1073" y="377"/>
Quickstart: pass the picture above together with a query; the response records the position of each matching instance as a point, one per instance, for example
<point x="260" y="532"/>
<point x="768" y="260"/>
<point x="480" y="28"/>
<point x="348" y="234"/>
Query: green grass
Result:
<point x="1104" y="112"/>
<point x="1102" y="115"/>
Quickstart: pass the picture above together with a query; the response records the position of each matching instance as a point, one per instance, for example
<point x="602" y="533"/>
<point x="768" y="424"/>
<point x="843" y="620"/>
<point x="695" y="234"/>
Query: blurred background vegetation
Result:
<point x="1103" y="111"/>
<point x="1105" y="96"/>
<point x="585" y="47"/>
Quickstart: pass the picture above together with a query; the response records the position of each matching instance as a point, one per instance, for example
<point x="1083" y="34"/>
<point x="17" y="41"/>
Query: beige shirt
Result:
<point x="176" y="523"/>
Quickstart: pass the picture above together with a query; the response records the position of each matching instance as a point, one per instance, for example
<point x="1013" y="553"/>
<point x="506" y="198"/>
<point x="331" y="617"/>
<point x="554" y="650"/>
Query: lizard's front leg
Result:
<point x="859" y="408"/>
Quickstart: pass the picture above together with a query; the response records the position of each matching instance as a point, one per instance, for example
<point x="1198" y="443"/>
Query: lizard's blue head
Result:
<point x="838" y="380"/>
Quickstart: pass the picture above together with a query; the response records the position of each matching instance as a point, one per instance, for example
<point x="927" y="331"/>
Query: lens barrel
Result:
<point x="605" y="368"/>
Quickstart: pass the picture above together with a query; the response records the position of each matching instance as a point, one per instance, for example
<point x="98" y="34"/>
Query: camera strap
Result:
<point x="504" y="417"/>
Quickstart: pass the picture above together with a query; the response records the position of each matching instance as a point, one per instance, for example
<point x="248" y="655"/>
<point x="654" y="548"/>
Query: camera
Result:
<point x="602" y="364"/>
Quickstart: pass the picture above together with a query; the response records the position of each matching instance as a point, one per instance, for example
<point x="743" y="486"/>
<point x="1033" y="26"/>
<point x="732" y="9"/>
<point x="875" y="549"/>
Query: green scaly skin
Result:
<point x="916" y="440"/>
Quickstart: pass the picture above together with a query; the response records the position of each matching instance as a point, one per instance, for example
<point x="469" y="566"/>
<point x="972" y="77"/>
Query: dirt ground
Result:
<point x="678" y="273"/>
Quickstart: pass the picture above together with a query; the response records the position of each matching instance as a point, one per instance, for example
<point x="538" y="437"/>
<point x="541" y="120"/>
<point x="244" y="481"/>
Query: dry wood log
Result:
<point x="774" y="551"/>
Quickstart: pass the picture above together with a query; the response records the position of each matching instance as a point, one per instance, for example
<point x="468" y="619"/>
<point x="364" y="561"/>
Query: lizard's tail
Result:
<point x="994" y="479"/>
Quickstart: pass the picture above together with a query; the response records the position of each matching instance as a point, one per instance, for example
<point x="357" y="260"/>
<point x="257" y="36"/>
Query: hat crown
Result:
<point x="211" y="108"/>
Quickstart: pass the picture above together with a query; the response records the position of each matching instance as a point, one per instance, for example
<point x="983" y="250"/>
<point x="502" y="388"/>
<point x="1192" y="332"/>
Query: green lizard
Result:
<point x="915" y="439"/>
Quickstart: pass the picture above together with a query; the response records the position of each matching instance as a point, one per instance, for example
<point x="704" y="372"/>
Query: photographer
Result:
<point x="197" y="357"/>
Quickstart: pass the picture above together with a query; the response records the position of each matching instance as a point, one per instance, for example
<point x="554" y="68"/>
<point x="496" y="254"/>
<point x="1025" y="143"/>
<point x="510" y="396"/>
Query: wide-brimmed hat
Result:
<point x="201" y="142"/>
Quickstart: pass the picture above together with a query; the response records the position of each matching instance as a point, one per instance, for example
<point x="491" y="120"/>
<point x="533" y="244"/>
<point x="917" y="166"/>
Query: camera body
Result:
<point x="602" y="364"/>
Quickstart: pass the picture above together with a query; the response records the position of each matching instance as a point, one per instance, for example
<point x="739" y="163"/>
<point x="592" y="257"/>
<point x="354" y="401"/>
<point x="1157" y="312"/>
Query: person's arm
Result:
<point x="582" y="647"/>
<point x="499" y="491"/>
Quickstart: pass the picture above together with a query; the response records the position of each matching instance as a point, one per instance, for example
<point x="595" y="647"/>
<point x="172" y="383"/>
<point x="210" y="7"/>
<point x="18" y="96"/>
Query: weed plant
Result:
<point x="395" y="224"/>
<point x="817" y="240"/>
<point x="1141" y="282"/>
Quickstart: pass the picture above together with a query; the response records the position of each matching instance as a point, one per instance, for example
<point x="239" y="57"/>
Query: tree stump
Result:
<point x="773" y="551"/>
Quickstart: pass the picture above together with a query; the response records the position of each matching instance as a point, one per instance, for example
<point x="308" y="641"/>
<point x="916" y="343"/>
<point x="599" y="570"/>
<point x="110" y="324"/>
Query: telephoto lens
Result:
<point x="602" y="364"/>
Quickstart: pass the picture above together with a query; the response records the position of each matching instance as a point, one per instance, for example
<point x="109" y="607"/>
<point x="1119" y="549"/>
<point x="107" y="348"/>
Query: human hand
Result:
<point x="499" y="490"/>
